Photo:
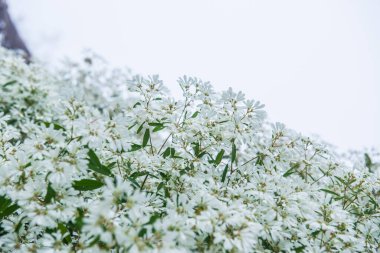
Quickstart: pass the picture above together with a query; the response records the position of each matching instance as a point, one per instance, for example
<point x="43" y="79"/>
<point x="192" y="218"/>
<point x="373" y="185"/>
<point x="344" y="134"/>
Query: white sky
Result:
<point x="315" y="64"/>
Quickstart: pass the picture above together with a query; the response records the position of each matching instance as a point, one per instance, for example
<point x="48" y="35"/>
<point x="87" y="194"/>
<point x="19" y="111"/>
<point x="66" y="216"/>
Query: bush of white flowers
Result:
<point x="97" y="160"/>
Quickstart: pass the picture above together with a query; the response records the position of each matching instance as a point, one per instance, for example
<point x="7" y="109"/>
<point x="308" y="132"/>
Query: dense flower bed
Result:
<point x="98" y="160"/>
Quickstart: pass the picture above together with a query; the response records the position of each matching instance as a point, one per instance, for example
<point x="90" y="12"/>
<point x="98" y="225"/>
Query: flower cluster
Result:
<point x="98" y="160"/>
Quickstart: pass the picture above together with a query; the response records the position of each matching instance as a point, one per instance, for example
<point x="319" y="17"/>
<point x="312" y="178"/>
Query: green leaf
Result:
<point x="94" y="242"/>
<point x="153" y="219"/>
<point x="140" y="128"/>
<point x="260" y="159"/>
<point x="159" y="187"/>
<point x="158" y="128"/>
<point x="134" y="182"/>
<point x="195" y="114"/>
<point x="224" y="174"/>
<point x="50" y="194"/>
<point x="78" y="222"/>
<point x="169" y="152"/>
<point x="288" y="172"/>
<point x="6" y="207"/>
<point x="166" y="153"/>
<point x="64" y="230"/>
<point x="167" y="192"/>
<point x="87" y="184"/>
<point x="137" y="174"/>
<point x="93" y="158"/>
<point x="8" y="211"/>
<point x="134" y="124"/>
<point x="146" y="138"/>
<point x="142" y="232"/>
<point x="291" y="170"/>
<point x="155" y="124"/>
<point x="196" y="148"/>
<point x="300" y="249"/>
<point x="95" y="164"/>
<point x="135" y="105"/>
<point x="111" y="165"/>
<point x="219" y="157"/>
<point x="233" y="152"/>
<point x="373" y="201"/>
<point x="315" y="233"/>
<point x="4" y="203"/>
<point x="135" y="147"/>
<point x="19" y="224"/>
<point x="201" y="154"/>
<point x="341" y="180"/>
<point x="9" y="83"/>
<point x="368" y="162"/>
<point x="330" y="192"/>
<point x="55" y="125"/>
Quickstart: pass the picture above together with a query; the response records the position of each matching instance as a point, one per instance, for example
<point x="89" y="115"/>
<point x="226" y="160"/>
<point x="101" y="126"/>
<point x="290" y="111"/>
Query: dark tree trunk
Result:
<point x="10" y="37"/>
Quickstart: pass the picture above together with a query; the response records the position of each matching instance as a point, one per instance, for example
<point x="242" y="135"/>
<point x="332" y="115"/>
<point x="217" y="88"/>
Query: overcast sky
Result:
<point x="315" y="64"/>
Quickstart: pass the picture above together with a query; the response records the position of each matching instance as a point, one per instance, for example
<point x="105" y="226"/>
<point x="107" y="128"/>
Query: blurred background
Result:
<point x="315" y="64"/>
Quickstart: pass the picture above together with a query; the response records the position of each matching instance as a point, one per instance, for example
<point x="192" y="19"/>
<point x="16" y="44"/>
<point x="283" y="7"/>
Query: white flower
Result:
<point x="91" y="162"/>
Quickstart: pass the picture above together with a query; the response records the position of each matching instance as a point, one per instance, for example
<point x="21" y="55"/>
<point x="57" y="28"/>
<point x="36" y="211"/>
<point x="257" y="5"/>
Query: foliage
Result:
<point x="97" y="160"/>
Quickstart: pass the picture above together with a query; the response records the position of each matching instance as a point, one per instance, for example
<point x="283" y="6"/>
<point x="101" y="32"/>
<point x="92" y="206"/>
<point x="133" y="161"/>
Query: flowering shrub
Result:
<point x="97" y="160"/>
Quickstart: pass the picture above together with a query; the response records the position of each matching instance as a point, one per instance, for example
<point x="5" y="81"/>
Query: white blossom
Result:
<point x="94" y="159"/>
